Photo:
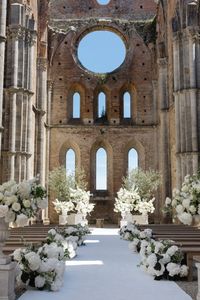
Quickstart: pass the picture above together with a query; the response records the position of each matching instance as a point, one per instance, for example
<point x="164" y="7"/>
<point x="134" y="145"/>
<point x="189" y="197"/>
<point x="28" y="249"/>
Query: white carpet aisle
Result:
<point x="106" y="269"/>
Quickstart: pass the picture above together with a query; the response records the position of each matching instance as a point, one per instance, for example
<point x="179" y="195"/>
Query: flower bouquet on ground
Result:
<point x="135" y="236"/>
<point x="20" y="202"/>
<point x="162" y="260"/>
<point x="185" y="203"/>
<point x="75" y="233"/>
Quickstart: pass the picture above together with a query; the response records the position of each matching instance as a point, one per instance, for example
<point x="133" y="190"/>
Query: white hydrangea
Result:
<point x="17" y="255"/>
<point x="173" y="269"/>
<point x="192" y="209"/>
<point x="34" y="260"/>
<point x="168" y="201"/>
<point x="186" y="203"/>
<point x="172" y="250"/>
<point x="179" y="209"/>
<point x="184" y="271"/>
<point x="152" y="260"/>
<point x="3" y="210"/>
<point x="39" y="282"/>
<point x="185" y="218"/>
<point x="21" y="220"/>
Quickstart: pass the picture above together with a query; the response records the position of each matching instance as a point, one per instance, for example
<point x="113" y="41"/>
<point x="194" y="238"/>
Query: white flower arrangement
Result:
<point x="19" y="202"/>
<point x="43" y="267"/>
<point x="160" y="259"/>
<point x="81" y="200"/>
<point x="78" y="202"/>
<point x="131" y="233"/>
<point x="128" y="201"/>
<point x="75" y="233"/>
<point x="186" y="201"/>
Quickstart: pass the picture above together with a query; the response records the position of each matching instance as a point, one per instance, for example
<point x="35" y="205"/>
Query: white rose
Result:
<point x="152" y="260"/>
<point x="39" y="282"/>
<point x="26" y="203"/>
<point x="10" y="216"/>
<point x="185" y="218"/>
<point x="34" y="260"/>
<point x="21" y="220"/>
<point x="168" y="201"/>
<point x="184" y="271"/>
<point x="192" y="209"/>
<point x="174" y="202"/>
<point x="16" y="206"/>
<point x="172" y="250"/>
<point x="3" y="210"/>
<point x="56" y="285"/>
<point x="179" y="209"/>
<point x="42" y="203"/>
<point x="52" y="231"/>
<point x="17" y="255"/>
<point x="173" y="269"/>
<point x="186" y="203"/>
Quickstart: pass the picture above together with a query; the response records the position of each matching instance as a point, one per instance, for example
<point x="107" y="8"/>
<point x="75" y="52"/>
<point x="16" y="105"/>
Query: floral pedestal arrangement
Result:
<point x="140" y="219"/>
<point x="74" y="219"/>
<point x="62" y="219"/>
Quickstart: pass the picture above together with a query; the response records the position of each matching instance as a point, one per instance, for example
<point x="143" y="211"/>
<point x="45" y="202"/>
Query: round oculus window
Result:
<point x="101" y="51"/>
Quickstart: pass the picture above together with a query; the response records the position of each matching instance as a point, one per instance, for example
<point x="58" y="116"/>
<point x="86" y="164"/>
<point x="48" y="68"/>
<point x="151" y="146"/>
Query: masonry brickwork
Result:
<point x="40" y="72"/>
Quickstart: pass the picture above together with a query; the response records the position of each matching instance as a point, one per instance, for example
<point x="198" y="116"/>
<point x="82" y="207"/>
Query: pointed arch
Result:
<point x="128" y="103"/>
<point x="70" y="145"/>
<point x="105" y="145"/>
<point x="75" y="102"/>
<point x="138" y="158"/>
<point x="101" y="104"/>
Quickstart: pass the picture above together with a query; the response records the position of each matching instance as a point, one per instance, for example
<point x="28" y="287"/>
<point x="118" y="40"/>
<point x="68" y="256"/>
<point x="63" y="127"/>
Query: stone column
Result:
<point x="3" y="16"/>
<point x="15" y="34"/>
<point x="31" y="120"/>
<point x="164" y="127"/>
<point x="41" y="115"/>
<point x="46" y="220"/>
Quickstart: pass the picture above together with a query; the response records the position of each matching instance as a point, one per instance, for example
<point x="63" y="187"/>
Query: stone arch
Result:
<point x="101" y="143"/>
<point x="70" y="144"/>
<point x="137" y="145"/>
<point x="75" y="88"/>
<point x="97" y="91"/>
<point x="130" y="88"/>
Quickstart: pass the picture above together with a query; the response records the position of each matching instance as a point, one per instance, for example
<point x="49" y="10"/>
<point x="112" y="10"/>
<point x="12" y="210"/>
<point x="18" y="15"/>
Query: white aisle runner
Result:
<point x="105" y="269"/>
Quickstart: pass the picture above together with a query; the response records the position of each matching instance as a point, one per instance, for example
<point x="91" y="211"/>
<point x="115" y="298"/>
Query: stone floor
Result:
<point x="190" y="288"/>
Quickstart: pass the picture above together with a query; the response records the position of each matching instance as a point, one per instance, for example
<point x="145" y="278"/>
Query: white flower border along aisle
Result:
<point x="185" y="204"/>
<point x="43" y="267"/>
<point x="160" y="259"/>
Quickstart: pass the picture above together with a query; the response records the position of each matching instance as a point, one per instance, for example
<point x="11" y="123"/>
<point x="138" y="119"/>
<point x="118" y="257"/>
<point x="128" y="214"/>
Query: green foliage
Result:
<point x="60" y="183"/>
<point x="147" y="182"/>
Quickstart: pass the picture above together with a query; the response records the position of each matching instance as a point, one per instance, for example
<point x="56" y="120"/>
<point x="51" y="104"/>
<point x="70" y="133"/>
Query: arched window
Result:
<point x="101" y="105"/>
<point x="103" y="2"/>
<point x="127" y="105"/>
<point x="132" y="160"/>
<point x="101" y="169"/>
<point x="76" y="114"/>
<point x="70" y="162"/>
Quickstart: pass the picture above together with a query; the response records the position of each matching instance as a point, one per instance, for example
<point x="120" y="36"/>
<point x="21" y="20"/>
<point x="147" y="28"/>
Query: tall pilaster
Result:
<point x="164" y="127"/>
<point x="3" y="16"/>
<point x="186" y="108"/>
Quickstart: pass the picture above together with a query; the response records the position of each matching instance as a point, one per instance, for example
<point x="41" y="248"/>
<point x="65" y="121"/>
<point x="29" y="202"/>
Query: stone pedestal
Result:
<point x="74" y="219"/>
<point x="100" y="223"/>
<point x="7" y="281"/>
<point x="198" y="273"/>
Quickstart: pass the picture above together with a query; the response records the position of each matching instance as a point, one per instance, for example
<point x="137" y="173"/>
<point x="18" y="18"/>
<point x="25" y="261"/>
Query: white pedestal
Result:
<point x="140" y="219"/>
<point x="74" y="219"/>
<point x="62" y="219"/>
<point x="7" y="281"/>
<point x="123" y="223"/>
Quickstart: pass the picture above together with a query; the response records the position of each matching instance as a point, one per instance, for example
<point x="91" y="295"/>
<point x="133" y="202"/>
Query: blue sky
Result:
<point x="101" y="51"/>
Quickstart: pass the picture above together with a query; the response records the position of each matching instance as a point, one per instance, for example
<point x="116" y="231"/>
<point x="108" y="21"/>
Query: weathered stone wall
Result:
<point x="136" y="75"/>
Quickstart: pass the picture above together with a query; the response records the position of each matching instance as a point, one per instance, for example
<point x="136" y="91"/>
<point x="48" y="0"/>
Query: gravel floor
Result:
<point x="190" y="288"/>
